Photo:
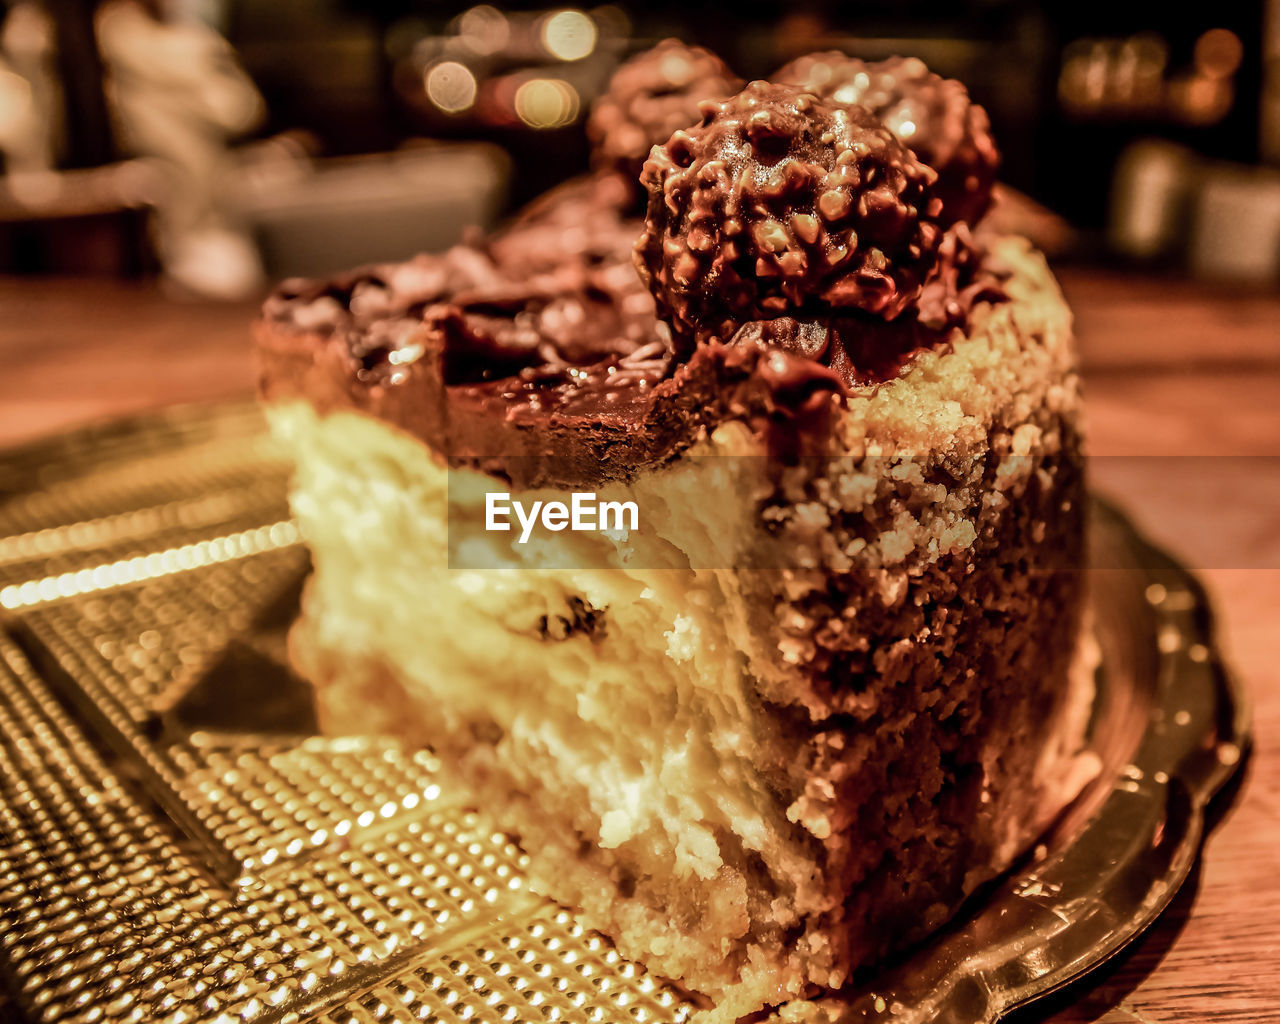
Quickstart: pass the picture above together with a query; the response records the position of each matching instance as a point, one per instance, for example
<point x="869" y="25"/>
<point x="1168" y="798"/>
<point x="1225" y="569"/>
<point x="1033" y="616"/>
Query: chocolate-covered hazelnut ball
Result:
<point x="783" y="204"/>
<point x="931" y="114"/>
<point x="650" y="96"/>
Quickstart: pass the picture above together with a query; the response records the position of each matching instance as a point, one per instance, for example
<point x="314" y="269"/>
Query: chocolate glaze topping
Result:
<point x="650" y="96"/>
<point x="538" y="354"/>
<point x="932" y="115"/>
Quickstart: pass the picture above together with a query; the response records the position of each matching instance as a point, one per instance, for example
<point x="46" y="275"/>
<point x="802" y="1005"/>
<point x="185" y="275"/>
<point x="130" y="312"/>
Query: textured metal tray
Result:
<point x="176" y="845"/>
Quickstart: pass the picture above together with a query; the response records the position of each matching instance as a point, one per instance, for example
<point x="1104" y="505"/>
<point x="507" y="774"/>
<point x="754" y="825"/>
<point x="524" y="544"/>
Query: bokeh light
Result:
<point x="451" y="86"/>
<point x="569" y="35"/>
<point x="484" y="29"/>
<point x="547" y="103"/>
<point x="1218" y="53"/>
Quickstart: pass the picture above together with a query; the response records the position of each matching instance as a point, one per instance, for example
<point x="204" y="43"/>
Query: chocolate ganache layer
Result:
<point x="539" y="355"/>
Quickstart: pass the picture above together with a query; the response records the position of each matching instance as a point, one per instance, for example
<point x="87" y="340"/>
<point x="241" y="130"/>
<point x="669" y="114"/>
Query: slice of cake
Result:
<point x="823" y="684"/>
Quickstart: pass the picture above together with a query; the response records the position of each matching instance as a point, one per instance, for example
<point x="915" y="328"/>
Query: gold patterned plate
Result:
<point x="176" y="845"/>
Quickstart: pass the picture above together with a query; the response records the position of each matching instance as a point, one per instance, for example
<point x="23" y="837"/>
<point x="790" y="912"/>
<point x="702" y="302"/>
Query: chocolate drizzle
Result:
<point x="793" y="252"/>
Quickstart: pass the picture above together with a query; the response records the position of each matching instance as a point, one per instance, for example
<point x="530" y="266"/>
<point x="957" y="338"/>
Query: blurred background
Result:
<point x="218" y="144"/>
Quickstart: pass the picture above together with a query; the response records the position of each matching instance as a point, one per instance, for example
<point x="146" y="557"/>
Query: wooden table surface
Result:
<point x="1184" y="407"/>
